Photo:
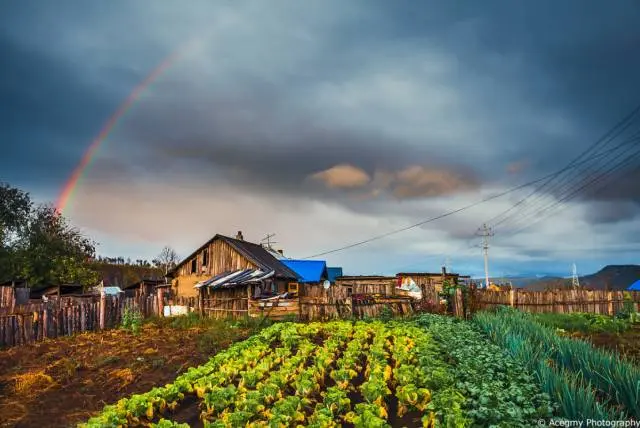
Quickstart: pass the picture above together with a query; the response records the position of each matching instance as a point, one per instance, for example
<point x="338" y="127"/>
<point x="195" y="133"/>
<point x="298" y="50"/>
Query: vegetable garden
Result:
<point x="501" y="369"/>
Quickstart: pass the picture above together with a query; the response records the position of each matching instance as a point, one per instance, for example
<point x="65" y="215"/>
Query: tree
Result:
<point x="15" y="206"/>
<point x="167" y="259"/>
<point x="51" y="251"/>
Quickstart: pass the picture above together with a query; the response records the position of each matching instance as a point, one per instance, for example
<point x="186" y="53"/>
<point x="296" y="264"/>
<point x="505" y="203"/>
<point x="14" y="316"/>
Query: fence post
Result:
<point x="610" y="303"/>
<point x="45" y="323"/>
<point x="160" y="301"/>
<point x="512" y="297"/>
<point x="103" y="304"/>
<point x="249" y="300"/>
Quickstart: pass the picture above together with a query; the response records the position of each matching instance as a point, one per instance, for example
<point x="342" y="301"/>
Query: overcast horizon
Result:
<point x="328" y="123"/>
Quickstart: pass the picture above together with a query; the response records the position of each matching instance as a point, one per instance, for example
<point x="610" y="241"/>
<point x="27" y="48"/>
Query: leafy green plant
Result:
<point x="386" y="313"/>
<point x="576" y="364"/>
<point x="583" y="322"/>
<point x="497" y="390"/>
<point x="132" y="320"/>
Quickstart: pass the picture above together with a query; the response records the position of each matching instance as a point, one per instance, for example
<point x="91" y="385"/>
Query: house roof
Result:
<point x="333" y="273"/>
<point x="308" y="270"/>
<point x="635" y="286"/>
<point x="153" y="281"/>
<point x="257" y="254"/>
<point x="426" y="274"/>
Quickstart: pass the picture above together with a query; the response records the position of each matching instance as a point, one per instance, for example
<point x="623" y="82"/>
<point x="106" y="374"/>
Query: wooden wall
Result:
<point x="368" y="285"/>
<point x="223" y="303"/>
<point x="7" y="297"/>
<point x="221" y="258"/>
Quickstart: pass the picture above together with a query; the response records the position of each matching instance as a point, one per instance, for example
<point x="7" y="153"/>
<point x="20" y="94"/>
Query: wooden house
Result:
<point x="145" y="287"/>
<point x="312" y="275"/>
<point x="213" y="265"/>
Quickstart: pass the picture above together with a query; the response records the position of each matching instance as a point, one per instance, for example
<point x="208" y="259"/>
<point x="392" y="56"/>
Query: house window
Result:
<point x="194" y="265"/>
<point x="205" y="257"/>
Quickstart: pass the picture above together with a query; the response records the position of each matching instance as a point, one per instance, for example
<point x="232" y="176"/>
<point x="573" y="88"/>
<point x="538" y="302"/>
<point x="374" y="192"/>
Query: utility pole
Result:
<point x="575" y="282"/>
<point x="486" y="232"/>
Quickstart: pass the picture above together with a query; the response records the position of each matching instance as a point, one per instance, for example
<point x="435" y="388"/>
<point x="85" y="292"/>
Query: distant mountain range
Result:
<point x="612" y="277"/>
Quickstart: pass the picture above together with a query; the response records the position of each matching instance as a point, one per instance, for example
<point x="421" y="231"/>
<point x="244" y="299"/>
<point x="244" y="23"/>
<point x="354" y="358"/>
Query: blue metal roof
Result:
<point x="333" y="273"/>
<point x="308" y="270"/>
<point x="635" y="286"/>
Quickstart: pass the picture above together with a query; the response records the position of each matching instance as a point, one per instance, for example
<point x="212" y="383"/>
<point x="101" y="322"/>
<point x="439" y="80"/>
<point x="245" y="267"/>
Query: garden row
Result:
<point x="432" y="372"/>
<point x="503" y="369"/>
<point x="585" y="382"/>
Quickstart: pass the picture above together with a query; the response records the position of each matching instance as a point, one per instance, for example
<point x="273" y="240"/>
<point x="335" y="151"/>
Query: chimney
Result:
<point x="281" y="252"/>
<point x="444" y="271"/>
<point x="239" y="236"/>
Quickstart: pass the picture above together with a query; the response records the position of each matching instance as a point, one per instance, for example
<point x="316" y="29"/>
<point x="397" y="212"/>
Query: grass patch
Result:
<point x="28" y="382"/>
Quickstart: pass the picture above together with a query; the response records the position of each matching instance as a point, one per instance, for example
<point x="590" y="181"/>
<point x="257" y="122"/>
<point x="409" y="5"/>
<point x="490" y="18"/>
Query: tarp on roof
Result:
<point x="308" y="270"/>
<point x="333" y="273"/>
<point x="635" y="286"/>
<point x="233" y="278"/>
<point x="112" y="291"/>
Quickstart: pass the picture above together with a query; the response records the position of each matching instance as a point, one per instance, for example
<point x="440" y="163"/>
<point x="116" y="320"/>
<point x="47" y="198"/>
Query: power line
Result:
<point x="571" y="195"/>
<point x="448" y="213"/>
<point x="617" y="129"/>
<point x="560" y="188"/>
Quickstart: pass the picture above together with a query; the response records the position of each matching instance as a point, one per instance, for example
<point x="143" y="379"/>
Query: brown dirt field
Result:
<point x="626" y="344"/>
<point x="58" y="383"/>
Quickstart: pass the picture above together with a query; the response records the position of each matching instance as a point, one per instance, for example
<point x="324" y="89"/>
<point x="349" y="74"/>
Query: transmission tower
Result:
<point x="575" y="282"/>
<point x="485" y="232"/>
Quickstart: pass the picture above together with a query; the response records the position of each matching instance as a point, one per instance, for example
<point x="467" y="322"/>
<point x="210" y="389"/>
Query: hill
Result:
<point x="124" y="274"/>
<point x="611" y="277"/>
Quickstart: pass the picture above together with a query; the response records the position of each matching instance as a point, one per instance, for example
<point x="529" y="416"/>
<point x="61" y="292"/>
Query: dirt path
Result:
<point x="61" y="382"/>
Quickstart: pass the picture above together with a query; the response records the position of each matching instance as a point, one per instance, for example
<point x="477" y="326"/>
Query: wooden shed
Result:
<point x="433" y="280"/>
<point x="144" y="287"/>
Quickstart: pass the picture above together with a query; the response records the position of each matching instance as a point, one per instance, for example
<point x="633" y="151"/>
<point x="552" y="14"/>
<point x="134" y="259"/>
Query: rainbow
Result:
<point x="72" y="183"/>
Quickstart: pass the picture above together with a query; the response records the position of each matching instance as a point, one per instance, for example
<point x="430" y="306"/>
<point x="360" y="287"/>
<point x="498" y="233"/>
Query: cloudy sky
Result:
<point x="330" y="122"/>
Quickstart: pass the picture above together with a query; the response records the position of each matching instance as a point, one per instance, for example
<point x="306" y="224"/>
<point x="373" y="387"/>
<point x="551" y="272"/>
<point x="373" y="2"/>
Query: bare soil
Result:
<point x="627" y="343"/>
<point x="60" y="382"/>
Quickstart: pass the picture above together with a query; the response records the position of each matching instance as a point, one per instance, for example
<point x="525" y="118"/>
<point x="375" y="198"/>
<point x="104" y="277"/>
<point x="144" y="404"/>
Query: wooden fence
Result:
<point x="558" y="301"/>
<point x="36" y="320"/>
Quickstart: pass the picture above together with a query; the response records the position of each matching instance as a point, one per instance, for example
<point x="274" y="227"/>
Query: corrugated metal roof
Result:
<point x="333" y="273"/>
<point x="308" y="270"/>
<point x="635" y="286"/>
<point x="231" y="279"/>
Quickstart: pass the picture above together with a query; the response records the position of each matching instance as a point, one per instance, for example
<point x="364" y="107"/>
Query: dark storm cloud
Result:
<point x="612" y="211"/>
<point x="49" y="115"/>
<point x="278" y="94"/>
